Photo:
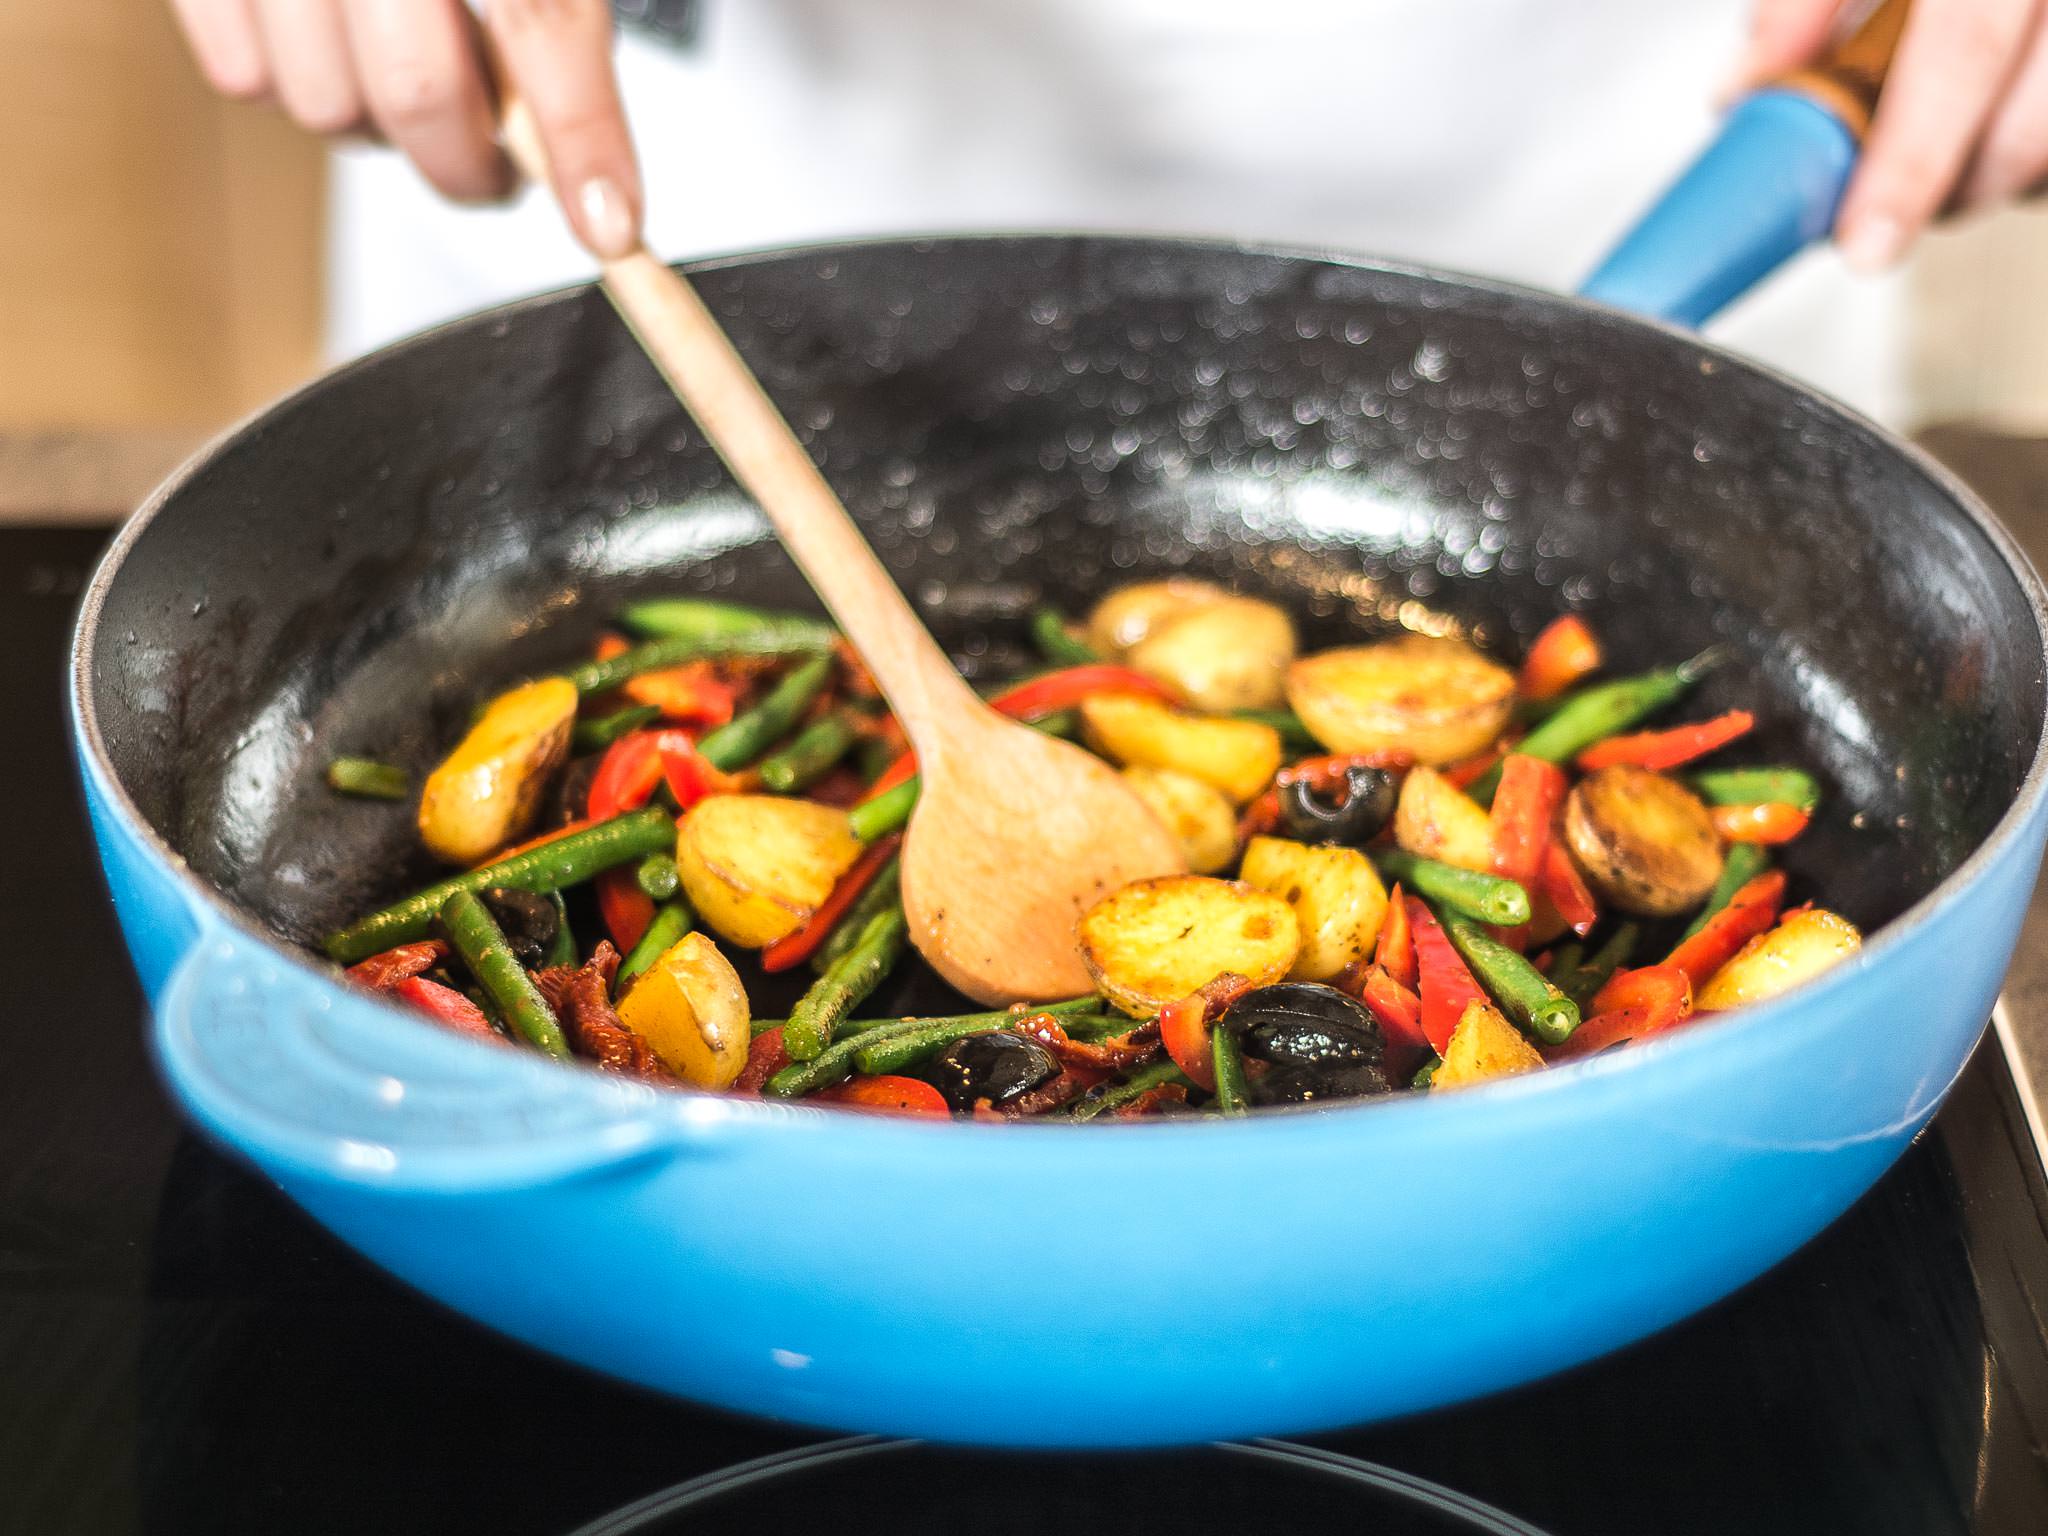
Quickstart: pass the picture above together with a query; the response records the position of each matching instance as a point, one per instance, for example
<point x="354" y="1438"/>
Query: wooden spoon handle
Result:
<point x="727" y="402"/>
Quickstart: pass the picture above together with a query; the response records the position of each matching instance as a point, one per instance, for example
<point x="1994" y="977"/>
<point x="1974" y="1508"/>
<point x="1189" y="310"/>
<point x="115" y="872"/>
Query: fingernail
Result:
<point x="607" y="217"/>
<point x="1873" y="244"/>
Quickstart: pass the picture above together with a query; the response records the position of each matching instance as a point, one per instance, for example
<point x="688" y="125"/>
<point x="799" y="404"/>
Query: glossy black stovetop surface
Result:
<point x="181" y="1351"/>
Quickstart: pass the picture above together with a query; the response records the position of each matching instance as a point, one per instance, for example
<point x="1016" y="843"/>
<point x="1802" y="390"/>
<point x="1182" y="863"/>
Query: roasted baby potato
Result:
<point x="1238" y="757"/>
<point x="756" y="866"/>
<point x="1436" y="699"/>
<point x="1229" y="654"/>
<point x="1129" y="614"/>
<point x="1336" y="895"/>
<point x="1484" y="1045"/>
<point x="692" y="1008"/>
<point x="488" y="790"/>
<point x="1155" y="941"/>
<point x="1797" y="950"/>
<point x="1197" y="814"/>
<point x="1644" y="840"/>
<point x="1434" y="819"/>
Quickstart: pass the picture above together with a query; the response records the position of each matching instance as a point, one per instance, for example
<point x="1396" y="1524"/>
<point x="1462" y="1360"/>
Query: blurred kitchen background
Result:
<point x="169" y="261"/>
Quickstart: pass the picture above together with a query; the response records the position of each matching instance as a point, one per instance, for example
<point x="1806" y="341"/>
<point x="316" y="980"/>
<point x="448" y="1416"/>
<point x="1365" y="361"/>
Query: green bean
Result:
<point x="1565" y="958"/>
<point x="831" y="1064"/>
<point x="563" y="862"/>
<point x="1524" y="996"/>
<point x="658" y="876"/>
<point x="1063" y="723"/>
<point x="886" y="813"/>
<point x="1232" y="1097"/>
<point x="596" y="734"/>
<point x="1057" y="642"/>
<point x="1294" y="736"/>
<point x="1097" y="1026"/>
<point x="368" y="779"/>
<point x="845" y="985"/>
<point x="1486" y="897"/>
<point x="745" y="737"/>
<point x="818" y="746"/>
<point x="602" y="676"/>
<point x="672" y="919"/>
<point x="1586" y="979"/>
<point x="1100" y="1100"/>
<point x="562" y="948"/>
<point x="698" y="618"/>
<point x="836" y="1060"/>
<point x="882" y="895"/>
<point x="1757" y="786"/>
<point x="481" y="943"/>
<point x="899" y="1051"/>
<point x="1425" y="1075"/>
<point x="873" y="757"/>
<point x="1600" y="711"/>
<point x="1745" y="861"/>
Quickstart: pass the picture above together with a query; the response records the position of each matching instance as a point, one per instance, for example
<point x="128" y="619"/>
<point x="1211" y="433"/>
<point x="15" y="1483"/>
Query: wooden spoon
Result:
<point x="1016" y="833"/>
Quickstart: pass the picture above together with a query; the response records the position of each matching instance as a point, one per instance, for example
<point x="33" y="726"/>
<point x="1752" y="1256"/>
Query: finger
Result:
<point x="224" y="39"/>
<point x="1952" y="65"/>
<point x="1784" y="34"/>
<point x="424" y="78"/>
<point x="559" y="56"/>
<point x="313" y="74"/>
<point x="2012" y="156"/>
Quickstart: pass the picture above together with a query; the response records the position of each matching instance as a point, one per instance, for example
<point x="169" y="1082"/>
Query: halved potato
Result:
<point x="1204" y="823"/>
<point x="1437" y="699"/>
<point x="1127" y="615"/>
<point x="1645" y="841"/>
<point x="1336" y="895"/>
<point x="488" y="790"/>
<point x="1484" y="1045"/>
<point x="1797" y="950"/>
<point x="1155" y="941"/>
<point x="1228" y="654"/>
<point x="1238" y="757"/>
<point x="691" y="1007"/>
<point x="1434" y="819"/>
<point x="756" y="866"/>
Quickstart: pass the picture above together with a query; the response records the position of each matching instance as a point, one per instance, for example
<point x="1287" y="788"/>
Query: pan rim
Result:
<point x="2026" y="802"/>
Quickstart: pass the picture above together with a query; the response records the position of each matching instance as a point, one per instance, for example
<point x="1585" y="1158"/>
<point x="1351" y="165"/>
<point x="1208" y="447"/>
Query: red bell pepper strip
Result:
<point x="381" y="973"/>
<point x="1659" y="750"/>
<point x="1395" y="953"/>
<point x="1769" y="822"/>
<point x="1632" y="1004"/>
<point x="1055" y="691"/>
<point x="765" y="1058"/>
<point x="627" y="775"/>
<point x="1399" y="1012"/>
<point x="1565" y="652"/>
<point x="689" y="777"/>
<point x="1751" y="911"/>
<point x="796" y="948"/>
<point x="626" y="909"/>
<point x="1260" y="817"/>
<point x="1560" y="883"/>
<point x="446" y="1007"/>
<point x="896" y="773"/>
<point x="1468" y="771"/>
<point x="1599" y="1032"/>
<point x="1447" y="985"/>
<point x="692" y="692"/>
<point x="891" y="1095"/>
<point x="1184" y="1025"/>
<point x="1524" y="807"/>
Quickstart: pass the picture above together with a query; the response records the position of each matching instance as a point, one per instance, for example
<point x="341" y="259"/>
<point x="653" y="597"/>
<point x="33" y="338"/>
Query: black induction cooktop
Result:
<point x="181" y="1351"/>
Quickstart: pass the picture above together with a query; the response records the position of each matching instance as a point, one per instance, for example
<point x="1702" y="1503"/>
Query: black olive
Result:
<point x="997" y="1067"/>
<point x="1353" y="820"/>
<point x="1319" y="1043"/>
<point x="529" y="922"/>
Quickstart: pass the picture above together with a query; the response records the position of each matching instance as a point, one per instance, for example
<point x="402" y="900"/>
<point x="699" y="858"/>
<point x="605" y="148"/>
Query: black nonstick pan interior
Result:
<point x="1025" y="419"/>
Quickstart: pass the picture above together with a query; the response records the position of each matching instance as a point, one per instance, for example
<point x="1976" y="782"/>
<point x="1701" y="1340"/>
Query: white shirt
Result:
<point x="1510" y="137"/>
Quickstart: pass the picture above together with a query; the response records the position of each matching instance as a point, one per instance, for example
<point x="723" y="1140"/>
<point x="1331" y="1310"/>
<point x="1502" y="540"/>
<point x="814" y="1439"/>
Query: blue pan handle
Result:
<point x="323" y="1083"/>
<point x="1765" y="189"/>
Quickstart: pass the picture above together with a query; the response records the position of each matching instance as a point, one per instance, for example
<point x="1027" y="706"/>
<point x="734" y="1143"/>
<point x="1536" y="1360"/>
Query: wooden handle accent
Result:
<point x="1847" y="78"/>
<point x="719" y="390"/>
